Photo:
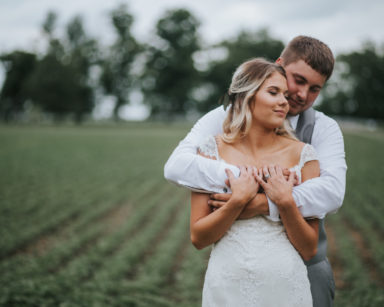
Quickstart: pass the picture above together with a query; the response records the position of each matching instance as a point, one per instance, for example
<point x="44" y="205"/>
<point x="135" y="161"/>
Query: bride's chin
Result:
<point x="272" y="124"/>
<point x="276" y="125"/>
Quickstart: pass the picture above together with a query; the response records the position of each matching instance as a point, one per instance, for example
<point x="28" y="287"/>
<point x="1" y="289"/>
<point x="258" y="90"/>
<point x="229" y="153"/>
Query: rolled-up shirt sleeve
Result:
<point x="184" y="167"/>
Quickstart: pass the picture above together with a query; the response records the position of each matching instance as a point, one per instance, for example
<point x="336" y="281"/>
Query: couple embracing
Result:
<point x="264" y="172"/>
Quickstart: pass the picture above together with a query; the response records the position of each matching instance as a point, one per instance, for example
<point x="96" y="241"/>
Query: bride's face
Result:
<point x="270" y="105"/>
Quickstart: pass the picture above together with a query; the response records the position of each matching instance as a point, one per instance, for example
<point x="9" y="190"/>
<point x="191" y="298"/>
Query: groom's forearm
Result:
<point x="257" y="206"/>
<point x="320" y="196"/>
<point x="196" y="172"/>
<point x="184" y="167"/>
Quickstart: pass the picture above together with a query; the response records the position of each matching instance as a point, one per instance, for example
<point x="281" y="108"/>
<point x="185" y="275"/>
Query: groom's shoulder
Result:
<point x="325" y="124"/>
<point x="215" y="114"/>
<point x="219" y="111"/>
<point x="321" y="118"/>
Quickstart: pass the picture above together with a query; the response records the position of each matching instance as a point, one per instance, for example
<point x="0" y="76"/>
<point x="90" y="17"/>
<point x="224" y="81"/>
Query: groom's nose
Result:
<point x="302" y="93"/>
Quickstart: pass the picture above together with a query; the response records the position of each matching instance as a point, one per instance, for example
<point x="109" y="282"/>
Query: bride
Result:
<point x="257" y="262"/>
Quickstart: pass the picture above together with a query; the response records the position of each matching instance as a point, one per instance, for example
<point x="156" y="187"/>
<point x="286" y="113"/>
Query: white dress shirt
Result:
<point x="315" y="197"/>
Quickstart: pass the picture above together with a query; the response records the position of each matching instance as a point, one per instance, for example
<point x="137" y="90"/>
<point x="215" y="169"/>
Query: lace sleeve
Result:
<point x="208" y="148"/>
<point x="307" y="154"/>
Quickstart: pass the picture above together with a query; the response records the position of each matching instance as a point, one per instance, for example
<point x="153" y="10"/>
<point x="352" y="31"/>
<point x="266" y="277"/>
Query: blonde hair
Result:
<point x="246" y="81"/>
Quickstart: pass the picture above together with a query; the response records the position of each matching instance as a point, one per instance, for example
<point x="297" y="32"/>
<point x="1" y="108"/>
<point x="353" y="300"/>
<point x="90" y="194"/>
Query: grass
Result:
<point x="86" y="219"/>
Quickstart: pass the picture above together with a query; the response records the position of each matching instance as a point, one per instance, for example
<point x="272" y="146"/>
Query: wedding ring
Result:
<point x="267" y="176"/>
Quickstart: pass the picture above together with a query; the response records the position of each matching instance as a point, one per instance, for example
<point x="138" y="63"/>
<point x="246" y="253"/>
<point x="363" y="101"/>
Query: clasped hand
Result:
<point x="281" y="185"/>
<point x="244" y="187"/>
<point x="276" y="185"/>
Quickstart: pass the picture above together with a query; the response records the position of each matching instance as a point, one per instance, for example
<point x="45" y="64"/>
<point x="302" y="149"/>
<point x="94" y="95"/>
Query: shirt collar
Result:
<point x="293" y="120"/>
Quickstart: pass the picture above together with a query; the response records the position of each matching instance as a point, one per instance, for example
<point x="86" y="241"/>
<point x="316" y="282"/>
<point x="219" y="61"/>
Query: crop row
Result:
<point x="76" y="235"/>
<point x="358" y="287"/>
<point x="82" y="266"/>
<point x="63" y="205"/>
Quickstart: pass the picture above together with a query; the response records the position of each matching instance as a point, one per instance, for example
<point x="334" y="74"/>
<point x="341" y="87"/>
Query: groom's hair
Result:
<point x="312" y="51"/>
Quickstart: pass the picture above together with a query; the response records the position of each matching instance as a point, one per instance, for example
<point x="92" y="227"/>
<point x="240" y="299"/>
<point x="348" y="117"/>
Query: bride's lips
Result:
<point x="281" y="113"/>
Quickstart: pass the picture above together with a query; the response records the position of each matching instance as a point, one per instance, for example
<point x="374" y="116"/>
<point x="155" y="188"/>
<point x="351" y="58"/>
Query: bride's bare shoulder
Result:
<point x="223" y="146"/>
<point x="294" y="147"/>
<point x="219" y="140"/>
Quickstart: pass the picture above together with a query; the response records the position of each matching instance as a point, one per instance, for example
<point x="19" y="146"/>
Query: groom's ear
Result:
<point x="280" y="61"/>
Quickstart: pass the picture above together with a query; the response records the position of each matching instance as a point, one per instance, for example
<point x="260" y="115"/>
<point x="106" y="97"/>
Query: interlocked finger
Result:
<point x="249" y="170"/>
<point x="272" y="170"/>
<point x="255" y="171"/>
<point x="266" y="173"/>
<point x="279" y="170"/>
<point x="220" y="197"/>
<point x="216" y="204"/>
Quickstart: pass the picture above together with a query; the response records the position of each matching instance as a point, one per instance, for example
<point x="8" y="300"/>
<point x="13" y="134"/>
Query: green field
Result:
<point x="87" y="219"/>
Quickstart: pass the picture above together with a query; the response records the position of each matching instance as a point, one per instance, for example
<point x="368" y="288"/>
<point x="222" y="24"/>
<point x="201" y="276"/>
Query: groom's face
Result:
<point x="304" y="85"/>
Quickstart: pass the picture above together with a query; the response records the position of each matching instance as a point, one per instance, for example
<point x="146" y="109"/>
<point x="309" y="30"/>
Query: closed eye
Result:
<point x="315" y="90"/>
<point x="300" y="81"/>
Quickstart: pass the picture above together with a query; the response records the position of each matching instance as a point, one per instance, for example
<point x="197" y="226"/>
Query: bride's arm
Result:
<point x="303" y="234"/>
<point x="207" y="227"/>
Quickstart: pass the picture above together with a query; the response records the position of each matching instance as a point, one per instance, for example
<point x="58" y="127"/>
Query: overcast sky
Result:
<point x="342" y="24"/>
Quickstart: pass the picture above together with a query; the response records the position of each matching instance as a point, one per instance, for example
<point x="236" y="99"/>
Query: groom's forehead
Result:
<point x="300" y="69"/>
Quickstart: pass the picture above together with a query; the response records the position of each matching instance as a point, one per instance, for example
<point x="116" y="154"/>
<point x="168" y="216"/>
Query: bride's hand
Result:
<point x="245" y="187"/>
<point x="275" y="185"/>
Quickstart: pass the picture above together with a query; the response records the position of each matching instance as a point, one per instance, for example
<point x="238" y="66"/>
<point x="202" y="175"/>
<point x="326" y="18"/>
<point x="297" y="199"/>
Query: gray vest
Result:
<point x="304" y="132"/>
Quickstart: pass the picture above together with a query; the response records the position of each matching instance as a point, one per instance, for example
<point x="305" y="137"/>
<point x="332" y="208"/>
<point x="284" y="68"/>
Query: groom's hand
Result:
<point x="256" y="206"/>
<point x="217" y="201"/>
<point x="287" y="173"/>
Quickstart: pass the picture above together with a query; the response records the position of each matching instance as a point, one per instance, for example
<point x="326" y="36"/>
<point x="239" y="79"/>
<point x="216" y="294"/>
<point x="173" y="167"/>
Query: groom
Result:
<point x="308" y="63"/>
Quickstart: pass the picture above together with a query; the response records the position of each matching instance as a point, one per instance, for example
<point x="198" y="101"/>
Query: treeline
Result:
<point x="357" y="87"/>
<point x="175" y="72"/>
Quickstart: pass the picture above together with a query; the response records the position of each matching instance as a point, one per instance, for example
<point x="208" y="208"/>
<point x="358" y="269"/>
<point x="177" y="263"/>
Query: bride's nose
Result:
<point x="283" y="100"/>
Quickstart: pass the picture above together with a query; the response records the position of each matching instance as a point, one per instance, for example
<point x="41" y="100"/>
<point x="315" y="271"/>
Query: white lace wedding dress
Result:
<point x="254" y="263"/>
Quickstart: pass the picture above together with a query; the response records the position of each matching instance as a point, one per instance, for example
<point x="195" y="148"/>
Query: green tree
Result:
<point x="61" y="83"/>
<point x="18" y="66"/>
<point x="82" y="54"/>
<point x="170" y="75"/>
<point x="117" y="78"/>
<point x="56" y="89"/>
<point x="55" y="45"/>
<point x="357" y="87"/>
<point x="218" y="73"/>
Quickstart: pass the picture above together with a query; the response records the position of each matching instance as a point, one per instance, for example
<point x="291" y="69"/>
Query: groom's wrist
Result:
<point x="262" y="202"/>
<point x="259" y="204"/>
